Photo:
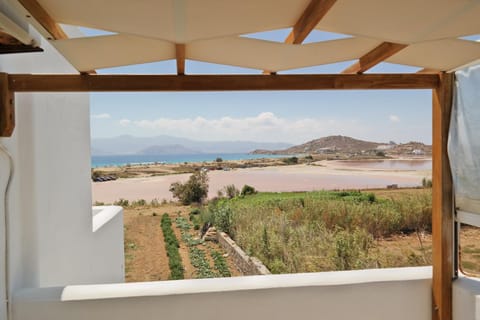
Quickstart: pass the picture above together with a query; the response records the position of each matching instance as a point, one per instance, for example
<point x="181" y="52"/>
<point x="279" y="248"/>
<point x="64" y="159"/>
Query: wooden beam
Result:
<point x="180" y="57"/>
<point x="442" y="201"/>
<point x="309" y="19"/>
<point x="44" y="19"/>
<point x="7" y="107"/>
<point x="384" y="51"/>
<point x="427" y="70"/>
<point x="312" y="15"/>
<point x="9" y="44"/>
<point x="84" y="83"/>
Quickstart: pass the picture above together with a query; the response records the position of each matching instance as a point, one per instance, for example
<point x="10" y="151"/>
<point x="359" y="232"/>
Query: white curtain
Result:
<point x="464" y="143"/>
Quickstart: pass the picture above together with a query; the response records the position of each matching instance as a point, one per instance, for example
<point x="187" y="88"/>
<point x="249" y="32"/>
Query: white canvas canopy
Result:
<point x="464" y="145"/>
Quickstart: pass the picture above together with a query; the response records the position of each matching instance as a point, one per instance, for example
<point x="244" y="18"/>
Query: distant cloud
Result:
<point x="265" y="126"/>
<point x="394" y="118"/>
<point x="125" y="122"/>
<point x="101" y="116"/>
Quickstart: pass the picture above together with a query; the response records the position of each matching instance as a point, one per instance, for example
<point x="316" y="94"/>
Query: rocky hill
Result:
<point x="326" y="145"/>
<point x="348" y="145"/>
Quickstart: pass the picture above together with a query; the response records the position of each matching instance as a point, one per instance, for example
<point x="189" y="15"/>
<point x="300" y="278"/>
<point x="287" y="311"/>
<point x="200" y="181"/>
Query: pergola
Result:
<point x="426" y="34"/>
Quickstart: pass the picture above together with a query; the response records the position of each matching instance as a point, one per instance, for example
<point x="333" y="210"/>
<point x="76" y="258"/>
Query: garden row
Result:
<point x="198" y="256"/>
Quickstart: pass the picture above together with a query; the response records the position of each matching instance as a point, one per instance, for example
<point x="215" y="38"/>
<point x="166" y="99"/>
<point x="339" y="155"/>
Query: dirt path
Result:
<point x="145" y="255"/>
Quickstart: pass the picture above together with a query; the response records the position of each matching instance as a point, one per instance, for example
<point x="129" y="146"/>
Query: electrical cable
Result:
<point x="5" y="203"/>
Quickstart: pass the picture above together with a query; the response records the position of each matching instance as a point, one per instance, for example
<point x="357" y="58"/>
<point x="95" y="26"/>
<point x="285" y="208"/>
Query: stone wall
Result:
<point x="246" y="264"/>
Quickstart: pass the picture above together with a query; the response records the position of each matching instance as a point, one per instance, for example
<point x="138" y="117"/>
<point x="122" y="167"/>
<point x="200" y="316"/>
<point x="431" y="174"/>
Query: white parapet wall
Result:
<point x="107" y="256"/>
<point x="466" y="298"/>
<point x="403" y="293"/>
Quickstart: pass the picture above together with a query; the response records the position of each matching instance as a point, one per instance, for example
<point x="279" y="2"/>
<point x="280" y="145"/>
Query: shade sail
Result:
<point x="211" y="30"/>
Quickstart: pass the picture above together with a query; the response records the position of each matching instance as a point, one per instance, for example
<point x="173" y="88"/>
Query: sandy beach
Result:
<point x="303" y="177"/>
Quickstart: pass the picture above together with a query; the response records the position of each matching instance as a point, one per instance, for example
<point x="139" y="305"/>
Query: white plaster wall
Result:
<point x="394" y="294"/>
<point x="466" y="298"/>
<point x="50" y="215"/>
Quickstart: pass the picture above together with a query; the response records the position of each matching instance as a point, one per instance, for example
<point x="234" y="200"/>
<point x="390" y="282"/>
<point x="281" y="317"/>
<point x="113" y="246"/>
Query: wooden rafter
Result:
<point x="427" y="70"/>
<point x="180" y="57"/>
<point x="309" y="19"/>
<point x="44" y="19"/>
<point x="442" y="202"/>
<point x="9" y="44"/>
<point x="382" y="52"/>
<point x="79" y="83"/>
<point x="7" y="108"/>
<point x="312" y="15"/>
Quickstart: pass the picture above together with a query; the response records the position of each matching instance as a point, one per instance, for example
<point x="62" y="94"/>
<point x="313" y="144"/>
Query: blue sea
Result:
<point x="122" y="160"/>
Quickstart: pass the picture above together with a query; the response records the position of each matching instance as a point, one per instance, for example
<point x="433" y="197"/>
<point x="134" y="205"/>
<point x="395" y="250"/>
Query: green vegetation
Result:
<point x="172" y="245"/>
<point x="426" y="183"/>
<point x="198" y="257"/>
<point x="291" y="160"/>
<point x="324" y="230"/>
<point x="195" y="190"/>
<point x="220" y="264"/>
<point x="231" y="191"/>
<point x="247" y="190"/>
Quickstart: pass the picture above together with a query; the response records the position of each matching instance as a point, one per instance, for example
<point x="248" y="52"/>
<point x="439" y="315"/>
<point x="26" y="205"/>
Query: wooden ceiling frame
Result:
<point x="10" y="44"/>
<point x="379" y="54"/>
<point x="42" y="17"/>
<point x="442" y="92"/>
<point x="309" y="19"/>
<point x="139" y="83"/>
<point x="180" y="58"/>
<point x="38" y="13"/>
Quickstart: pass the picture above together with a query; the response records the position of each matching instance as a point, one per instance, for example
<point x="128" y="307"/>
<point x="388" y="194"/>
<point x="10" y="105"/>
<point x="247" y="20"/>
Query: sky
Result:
<point x="267" y="116"/>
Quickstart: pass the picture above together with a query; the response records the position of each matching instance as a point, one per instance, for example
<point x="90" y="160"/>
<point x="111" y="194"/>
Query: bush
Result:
<point x="427" y="183"/>
<point x="246" y="190"/>
<point x="291" y="160"/>
<point x="121" y="202"/>
<point x="195" y="190"/>
<point x="231" y="191"/>
<point x="219" y="159"/>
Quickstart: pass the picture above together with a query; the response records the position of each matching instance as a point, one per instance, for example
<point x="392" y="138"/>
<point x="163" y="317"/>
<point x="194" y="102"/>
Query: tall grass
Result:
<point x="319" y="231"/>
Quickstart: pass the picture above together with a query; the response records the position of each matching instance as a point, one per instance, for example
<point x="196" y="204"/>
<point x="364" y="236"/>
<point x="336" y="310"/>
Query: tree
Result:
<point x="219" y="159"/>
<point x="195" y="190"/>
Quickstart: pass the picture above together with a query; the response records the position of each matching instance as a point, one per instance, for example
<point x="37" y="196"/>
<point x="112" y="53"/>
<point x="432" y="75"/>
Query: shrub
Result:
<point x="121" y="202"/>
<point x="247" y="190"/>
<point x="231" y="191"/>
<point x="291" y="160"/>
<point x="219" y="159"/>
<point x="195" y="190"/>
<point x="427" y="183"/>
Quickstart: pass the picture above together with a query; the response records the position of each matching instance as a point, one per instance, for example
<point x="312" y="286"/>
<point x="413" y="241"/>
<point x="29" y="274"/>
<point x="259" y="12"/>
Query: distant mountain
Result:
<point x="343" y="144"/>
<point x="330" y="143"/>
<point x="126" y="144"/>
<point x="168" y="149"/>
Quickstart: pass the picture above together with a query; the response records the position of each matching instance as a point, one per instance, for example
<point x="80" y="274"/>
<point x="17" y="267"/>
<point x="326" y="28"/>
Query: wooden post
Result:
<point x="7" y="107"/>
<point x="442" y="201"/>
